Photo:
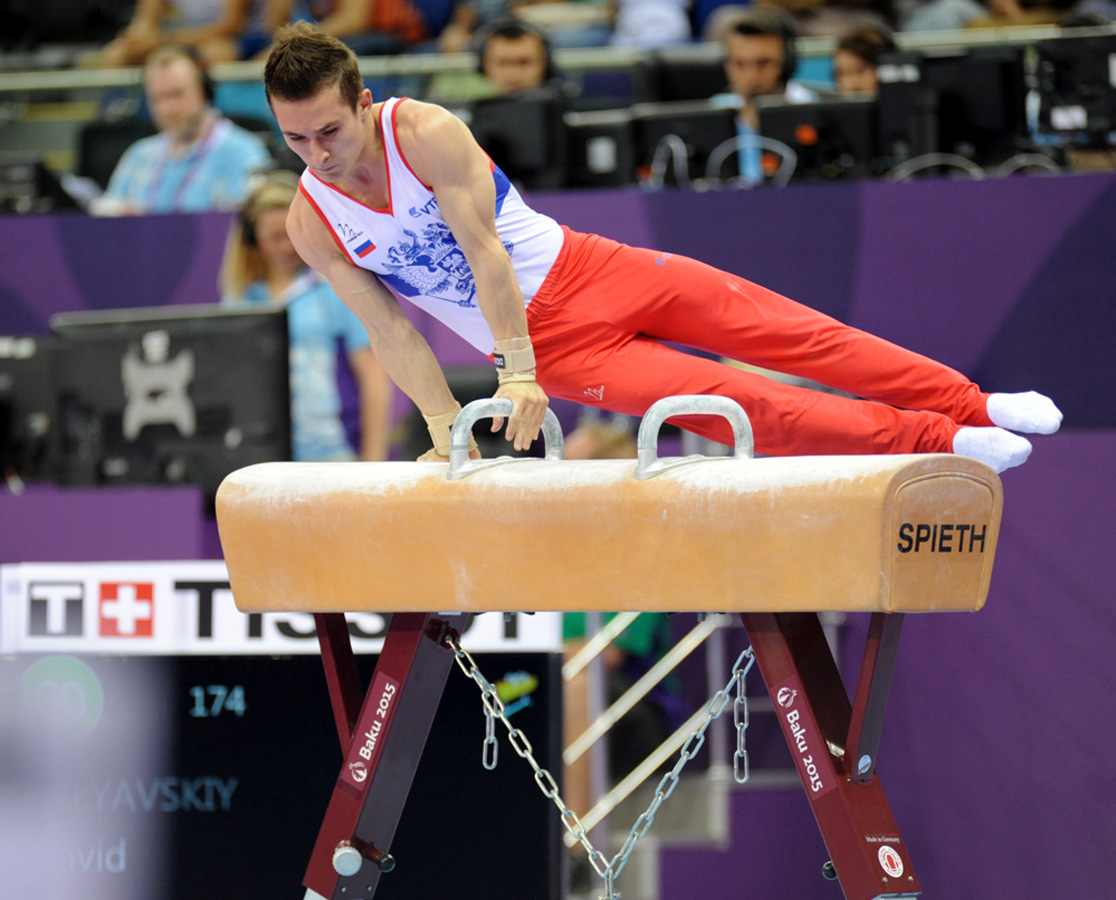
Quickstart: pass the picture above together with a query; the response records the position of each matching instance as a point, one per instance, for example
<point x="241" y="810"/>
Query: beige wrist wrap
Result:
<point x="515" y="360"/>
<point x="440" y="427"/>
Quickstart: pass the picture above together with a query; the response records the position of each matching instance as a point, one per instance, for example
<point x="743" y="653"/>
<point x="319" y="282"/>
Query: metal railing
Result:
<point x="570" y="60"/>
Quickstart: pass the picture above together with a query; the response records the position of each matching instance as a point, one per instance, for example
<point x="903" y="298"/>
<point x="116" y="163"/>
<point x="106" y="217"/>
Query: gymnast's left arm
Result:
<point x="374" y="391"/>
<point x="444" y="155"/>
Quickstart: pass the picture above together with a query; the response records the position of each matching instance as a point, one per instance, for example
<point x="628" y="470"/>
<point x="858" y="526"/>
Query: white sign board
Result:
<point x="186" y="608"/>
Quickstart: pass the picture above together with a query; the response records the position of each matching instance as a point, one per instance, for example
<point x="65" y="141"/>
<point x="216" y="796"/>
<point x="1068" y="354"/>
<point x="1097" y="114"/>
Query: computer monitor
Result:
<point x="524" y="134"/>
<point x="169" y="395"/>
<point x="684" y="73"/>
<point x="833" y="138"/>
<point x="701" y="127"/>
<point x="1076" y="80"/>
<point x="26" y="407"/>
<point x="27" y="185"/>
<point x="602" y="150"/>
<point x="970" y="102"/>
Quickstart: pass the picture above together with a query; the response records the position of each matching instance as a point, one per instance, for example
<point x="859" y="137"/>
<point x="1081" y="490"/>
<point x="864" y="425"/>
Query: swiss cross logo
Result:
<point x="127" y="609"/>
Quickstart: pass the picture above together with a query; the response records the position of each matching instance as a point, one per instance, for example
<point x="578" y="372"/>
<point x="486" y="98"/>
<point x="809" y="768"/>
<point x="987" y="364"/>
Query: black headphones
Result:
<point x="770" y="20"/>
<point x="248" y="228"/>
<point x="511" y="28"/>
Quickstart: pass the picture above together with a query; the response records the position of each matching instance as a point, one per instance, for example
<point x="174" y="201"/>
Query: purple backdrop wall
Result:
<point x="997" y="745"/>
<point x="1010" y="281"/>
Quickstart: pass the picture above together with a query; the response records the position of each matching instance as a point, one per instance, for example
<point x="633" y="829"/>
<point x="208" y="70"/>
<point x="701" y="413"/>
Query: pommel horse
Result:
<point x="775" y="540"/>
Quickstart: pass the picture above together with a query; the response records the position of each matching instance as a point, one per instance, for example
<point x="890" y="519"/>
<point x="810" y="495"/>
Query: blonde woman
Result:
<point x="261" y="268"/>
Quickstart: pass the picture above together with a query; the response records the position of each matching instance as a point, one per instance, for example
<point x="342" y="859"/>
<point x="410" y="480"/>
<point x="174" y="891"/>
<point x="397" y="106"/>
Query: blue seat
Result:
<point x="437" y="14"/>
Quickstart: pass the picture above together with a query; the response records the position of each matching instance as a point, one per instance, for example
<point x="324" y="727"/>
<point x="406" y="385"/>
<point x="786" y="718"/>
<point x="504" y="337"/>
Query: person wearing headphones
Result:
<point x="760" y="59"/>
<point x="262" y="269"/>
<point x="515" y="57"/>
<point x="198" y="161"/>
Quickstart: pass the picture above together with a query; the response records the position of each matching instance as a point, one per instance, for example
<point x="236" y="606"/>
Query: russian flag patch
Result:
<point x="364" y="249"/>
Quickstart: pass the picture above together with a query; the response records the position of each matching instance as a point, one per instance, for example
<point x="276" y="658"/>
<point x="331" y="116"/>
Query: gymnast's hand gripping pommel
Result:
<point x="515" y="368"/>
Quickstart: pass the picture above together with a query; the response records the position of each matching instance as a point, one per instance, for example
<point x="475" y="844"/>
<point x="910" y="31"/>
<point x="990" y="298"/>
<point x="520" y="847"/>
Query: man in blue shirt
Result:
<point x="760" y="60"/>
<point x="198" y="161"/>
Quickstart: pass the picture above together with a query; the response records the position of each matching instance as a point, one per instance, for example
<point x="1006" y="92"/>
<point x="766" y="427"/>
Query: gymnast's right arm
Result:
<point x="399" y="348"/>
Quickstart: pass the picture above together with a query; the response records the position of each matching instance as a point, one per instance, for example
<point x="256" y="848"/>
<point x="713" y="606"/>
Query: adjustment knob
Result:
<point x="346" y="859"/>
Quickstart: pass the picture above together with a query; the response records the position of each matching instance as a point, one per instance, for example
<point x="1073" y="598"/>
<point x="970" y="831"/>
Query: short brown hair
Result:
<point x="868" y="43"/>
<point x="302" y="61"/>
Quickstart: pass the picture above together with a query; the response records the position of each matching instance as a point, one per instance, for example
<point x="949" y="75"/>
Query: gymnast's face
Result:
<point x="326" y="133"/>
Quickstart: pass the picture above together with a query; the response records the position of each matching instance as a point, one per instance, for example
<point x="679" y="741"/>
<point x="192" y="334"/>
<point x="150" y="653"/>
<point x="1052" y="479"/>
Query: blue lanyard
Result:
<point x="197" y="155"/>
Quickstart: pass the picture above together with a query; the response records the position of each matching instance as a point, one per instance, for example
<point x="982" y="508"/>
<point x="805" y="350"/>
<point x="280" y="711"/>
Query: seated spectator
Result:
<point x="515" y="57"/>
<point x="651" y="23"/>
<point x="856" y="59"/>
<point x="1089" y="14"/>
<point x="220" y="30"/>
<point x="468" y="18"/>
<point x="570" y="23"/>
<point x="369" y="27"/>
<point x="198" y="161"/>
<point x="943" y="15"/>
<point x="812" y="18"/>
<point x="1008" y="13"/>
<point x="760" y="59"/>
<point x="512" y="57"/>
<point x="261" y="268"/>
<point x="566" y="24"/>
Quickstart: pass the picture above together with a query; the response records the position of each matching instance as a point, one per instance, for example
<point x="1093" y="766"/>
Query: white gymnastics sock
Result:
<point x="993" y="446"/>
<point x="1030" y="412"/>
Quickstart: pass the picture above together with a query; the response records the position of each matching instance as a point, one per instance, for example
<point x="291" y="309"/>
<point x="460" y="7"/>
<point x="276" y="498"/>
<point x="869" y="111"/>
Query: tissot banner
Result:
<point x="176" y="608"/>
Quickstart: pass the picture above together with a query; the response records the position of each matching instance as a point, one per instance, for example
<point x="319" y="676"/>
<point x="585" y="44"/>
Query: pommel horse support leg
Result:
<point x="381" y="741"/>
<point x="775" y="540"/>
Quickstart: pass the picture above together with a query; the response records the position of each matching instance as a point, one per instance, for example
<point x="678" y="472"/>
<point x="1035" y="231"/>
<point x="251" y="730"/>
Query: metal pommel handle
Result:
<point x="493" y="407"/>
<point x="647" y="442"/>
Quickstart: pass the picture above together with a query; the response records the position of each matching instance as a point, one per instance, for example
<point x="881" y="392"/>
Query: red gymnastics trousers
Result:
<point x="599" y="321"/>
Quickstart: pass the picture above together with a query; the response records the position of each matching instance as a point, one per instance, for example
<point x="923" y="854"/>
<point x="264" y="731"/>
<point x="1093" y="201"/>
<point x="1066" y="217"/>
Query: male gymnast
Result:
<point x="398" y="201"/>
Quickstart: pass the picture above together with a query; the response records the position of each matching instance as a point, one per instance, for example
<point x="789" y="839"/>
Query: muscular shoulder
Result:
<point x="432" y="139"/>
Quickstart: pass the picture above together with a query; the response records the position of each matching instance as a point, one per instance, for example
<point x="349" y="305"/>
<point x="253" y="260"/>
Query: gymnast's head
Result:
<point x="315" y="91"/>
<point x="303" y="61"/>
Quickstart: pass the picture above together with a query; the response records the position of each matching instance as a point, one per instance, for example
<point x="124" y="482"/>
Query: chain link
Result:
<point x="740" y="719"/>
<point x="609" y="870"/>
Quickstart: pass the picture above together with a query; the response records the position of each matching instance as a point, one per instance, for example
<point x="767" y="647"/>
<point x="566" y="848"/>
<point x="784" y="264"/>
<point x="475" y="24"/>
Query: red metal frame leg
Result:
<point x="814" y="712"/>
<point x="341" y="674"/>
<point x="872" y="690"/>
<point x="386" y="743"/>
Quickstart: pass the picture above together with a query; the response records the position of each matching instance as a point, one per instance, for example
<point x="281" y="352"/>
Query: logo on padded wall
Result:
<point x="785" y="697"/>
<point x="890" y="861"/>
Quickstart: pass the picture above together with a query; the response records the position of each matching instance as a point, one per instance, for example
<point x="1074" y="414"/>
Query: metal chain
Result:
<point x="607" y="869"/>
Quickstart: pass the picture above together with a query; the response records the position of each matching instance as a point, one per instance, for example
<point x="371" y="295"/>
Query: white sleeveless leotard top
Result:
<point x="410" y="246"/>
